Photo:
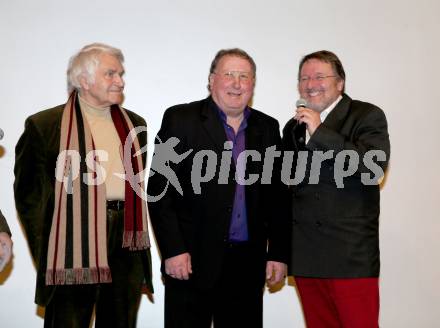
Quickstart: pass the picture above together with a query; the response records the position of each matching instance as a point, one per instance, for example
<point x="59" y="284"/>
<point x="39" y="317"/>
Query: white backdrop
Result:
<point x="390" y="50"/>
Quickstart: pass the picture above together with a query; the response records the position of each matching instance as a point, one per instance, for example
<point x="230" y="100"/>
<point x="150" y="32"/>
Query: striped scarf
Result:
<point x="77" y="251"/>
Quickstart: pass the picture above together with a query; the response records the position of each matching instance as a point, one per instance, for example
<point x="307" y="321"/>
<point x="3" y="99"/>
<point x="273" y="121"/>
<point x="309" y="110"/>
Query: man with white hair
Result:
<point x="85" y="225"/>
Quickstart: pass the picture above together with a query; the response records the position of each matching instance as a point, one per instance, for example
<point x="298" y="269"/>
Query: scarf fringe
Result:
<point x="78" y="276"/>
<point x="139" y="243"/>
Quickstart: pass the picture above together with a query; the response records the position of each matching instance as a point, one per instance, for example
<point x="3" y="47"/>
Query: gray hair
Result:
<point x="84" y="63"/>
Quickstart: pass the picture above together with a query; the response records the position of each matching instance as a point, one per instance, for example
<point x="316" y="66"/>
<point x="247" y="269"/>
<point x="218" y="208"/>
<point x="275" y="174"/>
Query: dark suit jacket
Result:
<point x="199" y="223"/>
<point x="3" y="224"/>
<point x="335" y="230"/>
<point x="36" y="154"/>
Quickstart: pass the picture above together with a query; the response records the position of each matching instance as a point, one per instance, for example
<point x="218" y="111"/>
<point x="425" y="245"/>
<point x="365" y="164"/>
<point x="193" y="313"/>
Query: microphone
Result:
<point x="301" y="102"/>
<point x="2" y="134"/>
<point x="300" y="128"/>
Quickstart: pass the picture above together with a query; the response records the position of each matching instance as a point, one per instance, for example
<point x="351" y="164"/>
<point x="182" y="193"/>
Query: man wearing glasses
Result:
<point x="221" y="243"/>
<point x="335" y="241"/>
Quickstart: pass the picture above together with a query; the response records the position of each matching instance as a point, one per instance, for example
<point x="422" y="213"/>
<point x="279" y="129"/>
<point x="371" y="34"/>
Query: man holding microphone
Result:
<point x="335" y="241"/>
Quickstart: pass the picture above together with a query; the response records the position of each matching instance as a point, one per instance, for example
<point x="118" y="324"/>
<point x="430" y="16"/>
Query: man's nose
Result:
<point x="312" y="83"/>
<point x="237" y="81"/>
<point x="119" y="80"/>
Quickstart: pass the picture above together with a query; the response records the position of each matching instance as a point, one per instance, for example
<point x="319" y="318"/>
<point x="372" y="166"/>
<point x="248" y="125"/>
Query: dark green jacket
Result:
<point x="34" y="187"/>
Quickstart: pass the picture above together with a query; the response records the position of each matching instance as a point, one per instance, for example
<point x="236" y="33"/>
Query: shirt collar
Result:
<point x="327" y="111"/>
<point x="93" y="110"/>
<point x="246" y="113"/>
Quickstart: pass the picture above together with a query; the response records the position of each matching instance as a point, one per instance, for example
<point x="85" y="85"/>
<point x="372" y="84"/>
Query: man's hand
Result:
<point x="5" y="249"/>
<point x="309" y="117"/>
<point x="179" y="266"/>
<point x="275" y="272"/>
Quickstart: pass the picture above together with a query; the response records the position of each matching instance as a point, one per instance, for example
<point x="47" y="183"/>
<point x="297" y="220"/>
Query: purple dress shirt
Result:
<point x="238" y="229"/>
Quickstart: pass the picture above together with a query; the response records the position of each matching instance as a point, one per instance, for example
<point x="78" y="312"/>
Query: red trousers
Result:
<point x="339" y="303"/>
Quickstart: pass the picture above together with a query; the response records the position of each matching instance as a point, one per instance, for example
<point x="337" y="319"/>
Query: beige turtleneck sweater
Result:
<point x="106" y="138"/>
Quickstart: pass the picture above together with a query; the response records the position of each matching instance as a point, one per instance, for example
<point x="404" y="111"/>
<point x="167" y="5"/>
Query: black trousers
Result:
<point x="236" y="301"/>
<point x="116" y="303"/>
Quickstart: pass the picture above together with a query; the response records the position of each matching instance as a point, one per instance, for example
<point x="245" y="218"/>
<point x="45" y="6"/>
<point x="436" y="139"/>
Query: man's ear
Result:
<point x="210" y="79"/>
<point x="85" y="85"/>
<point x="340" y="85"/>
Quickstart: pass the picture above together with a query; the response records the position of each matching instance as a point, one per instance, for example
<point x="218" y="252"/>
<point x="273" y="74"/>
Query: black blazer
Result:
<point x="336" y="230"/>
<point x="35" y="161"/>
<point x="199" y="223"/>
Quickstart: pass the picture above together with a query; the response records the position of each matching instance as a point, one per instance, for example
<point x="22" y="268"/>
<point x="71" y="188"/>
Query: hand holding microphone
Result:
<point x="300" y="103"/>
<point x="306" y="116"/>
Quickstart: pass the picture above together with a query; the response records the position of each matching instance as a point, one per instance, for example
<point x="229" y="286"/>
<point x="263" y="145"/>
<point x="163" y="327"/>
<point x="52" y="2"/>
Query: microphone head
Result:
<point x="301" y="103"/>
<point x="2" y="134"/>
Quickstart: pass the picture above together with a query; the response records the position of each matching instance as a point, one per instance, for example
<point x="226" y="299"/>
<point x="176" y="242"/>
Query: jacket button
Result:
<point x="229" y="209"/>
<point x="318" y="223"/>
<point x="295" y="221"/>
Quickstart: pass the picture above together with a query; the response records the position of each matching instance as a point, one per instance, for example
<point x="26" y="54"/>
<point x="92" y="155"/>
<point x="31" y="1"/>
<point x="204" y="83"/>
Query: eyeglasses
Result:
<point x="318" y="78"/>
<point x="245" y="77"/>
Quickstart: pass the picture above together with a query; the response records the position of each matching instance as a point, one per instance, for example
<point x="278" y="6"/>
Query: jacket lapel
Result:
<point x="253" y="134"/>
<point x="212" y="124"/>
<point x="337" y="116"/>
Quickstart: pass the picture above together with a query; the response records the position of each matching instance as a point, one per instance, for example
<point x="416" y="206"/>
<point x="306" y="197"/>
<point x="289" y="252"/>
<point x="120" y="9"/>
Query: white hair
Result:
<point x="85" y="62"/>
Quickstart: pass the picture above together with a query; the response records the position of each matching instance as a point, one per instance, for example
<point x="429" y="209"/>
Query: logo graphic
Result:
<point x="164" y="155"/>
<point x="205" y="163"/>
